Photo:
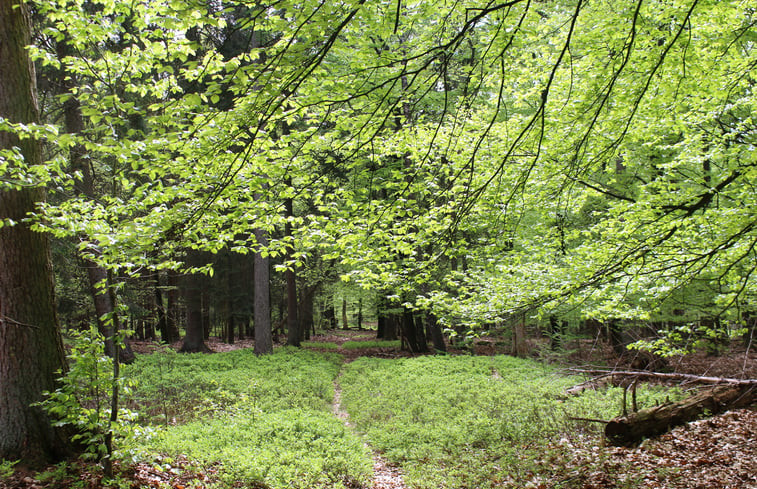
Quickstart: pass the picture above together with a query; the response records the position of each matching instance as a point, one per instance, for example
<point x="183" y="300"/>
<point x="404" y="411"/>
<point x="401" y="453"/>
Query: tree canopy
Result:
<point x="474" y="159"/>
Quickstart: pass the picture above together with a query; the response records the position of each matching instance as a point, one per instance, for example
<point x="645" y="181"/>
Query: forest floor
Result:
<point x="717" y="452"/>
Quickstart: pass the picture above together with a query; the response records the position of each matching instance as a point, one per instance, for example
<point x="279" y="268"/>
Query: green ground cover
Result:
<point x="262" y="421"/>
<point x="468" y="421"/>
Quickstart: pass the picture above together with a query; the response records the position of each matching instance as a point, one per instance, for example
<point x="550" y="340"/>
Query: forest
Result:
<point x="372" y="243"/>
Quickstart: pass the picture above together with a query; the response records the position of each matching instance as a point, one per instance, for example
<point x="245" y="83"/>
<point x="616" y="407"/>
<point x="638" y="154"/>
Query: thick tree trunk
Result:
<point x="195" y="334"/>
<point x="329" y="313"/>
<point x="413" y="334"/>
<point x="30" y="345"/>
<point x="262" y="298"/>
<point x="631" y="429"/>
<point x="520" y="346"/>
<point x="307" y="319"/>
<point x="437" y="338"/>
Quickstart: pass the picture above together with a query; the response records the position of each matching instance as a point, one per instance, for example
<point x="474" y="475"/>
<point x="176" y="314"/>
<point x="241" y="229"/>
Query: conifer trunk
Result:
<point x="30" y="345"/>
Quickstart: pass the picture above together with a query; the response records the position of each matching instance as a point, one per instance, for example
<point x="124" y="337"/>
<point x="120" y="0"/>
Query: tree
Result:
<point x="31" y="351"/>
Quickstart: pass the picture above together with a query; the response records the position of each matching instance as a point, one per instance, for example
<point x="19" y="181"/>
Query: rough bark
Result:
<point x="262" y="298"/>
<point x="30" y="346"/>
<point x="631" y="429"/>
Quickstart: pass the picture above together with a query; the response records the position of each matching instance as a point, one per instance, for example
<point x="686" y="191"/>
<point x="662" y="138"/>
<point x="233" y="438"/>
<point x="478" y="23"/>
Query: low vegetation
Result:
<point x="468" y="421"/>
<point x="261" y="421"/>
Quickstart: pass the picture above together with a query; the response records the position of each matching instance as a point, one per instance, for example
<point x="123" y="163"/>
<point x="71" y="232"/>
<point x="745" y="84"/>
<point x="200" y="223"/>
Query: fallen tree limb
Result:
<point x="631" y="429"/>
<point x="643" y="374"/>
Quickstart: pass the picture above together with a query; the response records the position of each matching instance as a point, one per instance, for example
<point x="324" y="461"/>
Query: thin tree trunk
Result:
<point x="31" y="351"/>
<point x="173" y="307"/>
<point x="293" y="324"/>
<point x="345" y="323"/>
<point x="163" y="323"/>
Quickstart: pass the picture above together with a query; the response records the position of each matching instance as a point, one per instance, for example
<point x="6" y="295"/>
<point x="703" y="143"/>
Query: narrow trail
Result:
<point x="385" y="476"/>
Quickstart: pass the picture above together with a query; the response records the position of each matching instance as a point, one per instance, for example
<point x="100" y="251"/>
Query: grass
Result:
<point x="263" y="421"/>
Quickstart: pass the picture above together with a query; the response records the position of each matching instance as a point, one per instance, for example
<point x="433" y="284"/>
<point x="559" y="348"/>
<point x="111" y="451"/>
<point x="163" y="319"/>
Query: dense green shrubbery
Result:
<point x="466" y="421"/>
<point x="265" y="420"/>
<point x="293" y="448"/>
<point x="175" y="387"/>
<point x="353" y="345"/>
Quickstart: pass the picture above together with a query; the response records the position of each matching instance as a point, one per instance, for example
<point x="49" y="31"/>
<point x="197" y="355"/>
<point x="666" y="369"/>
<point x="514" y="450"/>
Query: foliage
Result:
<point x="83" y="401"/>
<point x="469" y="421"/>
<point x="6" y="468"/>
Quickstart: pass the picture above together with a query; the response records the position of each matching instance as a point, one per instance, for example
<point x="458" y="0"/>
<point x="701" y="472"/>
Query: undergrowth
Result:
<point x="469" y="421"/>
<point x="264" y="421"/>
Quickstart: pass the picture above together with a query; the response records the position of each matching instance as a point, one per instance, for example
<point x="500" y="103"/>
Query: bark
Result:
<point x="615" y="333"/>
<point x="412" y="333"/>
<point x="329" y="313"/>
<point x="345" y="323"/>
<point x="631" y="429"/>
<point x="262" y="298"/>
<point x="195" y="331"/>
<point x="520" y="347"/>
<point x="294" y="334"/>
<point x="555" y="333"/>
<point x="306" y="312"/>
<point x="360" y="314"/>
<point x="437" y="337"/>
<point x="30" y="346"/>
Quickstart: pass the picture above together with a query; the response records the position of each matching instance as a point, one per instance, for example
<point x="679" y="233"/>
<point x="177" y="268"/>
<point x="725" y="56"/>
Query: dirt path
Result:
<point x="385" y="476"/>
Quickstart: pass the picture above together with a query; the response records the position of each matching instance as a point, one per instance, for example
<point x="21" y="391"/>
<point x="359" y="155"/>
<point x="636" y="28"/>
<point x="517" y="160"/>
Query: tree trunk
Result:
<point x="262" y="298"/>
<point x="631" y="429"/>
<point x="307" y="321"/>
<point x="413" y="334"/>
<point x="195" y="334"/>
<point x="173" y="316"/>
<point x="329" y="313"/>
<point x="520" y="347"/>
<point x="345" y="323"/>
<point x="615" y="333"/>
<point x="294" y="334"/>
<point x="437" y="337"/>
<point x="30" y="346"/>
<point x="166" y="333"/>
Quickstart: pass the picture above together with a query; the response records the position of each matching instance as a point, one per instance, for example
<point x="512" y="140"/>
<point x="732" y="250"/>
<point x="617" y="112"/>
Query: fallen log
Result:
<point x="633" y="428"/>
